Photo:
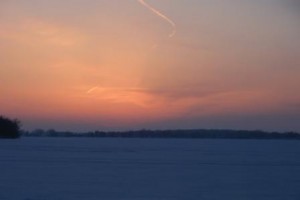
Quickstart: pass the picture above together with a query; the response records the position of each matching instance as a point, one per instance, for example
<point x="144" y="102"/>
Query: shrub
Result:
<point x="9" y="128"/>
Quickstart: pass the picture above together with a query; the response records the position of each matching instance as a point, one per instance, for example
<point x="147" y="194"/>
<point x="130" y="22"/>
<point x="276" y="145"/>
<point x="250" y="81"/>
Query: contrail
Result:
<point x="158" y="13"/>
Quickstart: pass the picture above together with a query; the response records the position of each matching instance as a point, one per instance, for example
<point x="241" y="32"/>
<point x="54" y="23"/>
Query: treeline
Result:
<point x="9" y="128"/>
<point x="193" y="133"/>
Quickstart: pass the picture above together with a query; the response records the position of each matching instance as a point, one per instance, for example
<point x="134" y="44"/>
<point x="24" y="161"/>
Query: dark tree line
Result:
<point x="192" y="133"/>
<point x="9" y="128"/>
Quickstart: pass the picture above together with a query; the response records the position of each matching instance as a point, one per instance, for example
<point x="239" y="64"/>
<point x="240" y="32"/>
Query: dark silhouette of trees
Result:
<point x="9" y="128"/>
<point x="189" y="133"/>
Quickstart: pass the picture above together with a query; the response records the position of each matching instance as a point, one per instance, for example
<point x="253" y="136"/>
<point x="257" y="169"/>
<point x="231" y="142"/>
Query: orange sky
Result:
<point x="110" y="64"/>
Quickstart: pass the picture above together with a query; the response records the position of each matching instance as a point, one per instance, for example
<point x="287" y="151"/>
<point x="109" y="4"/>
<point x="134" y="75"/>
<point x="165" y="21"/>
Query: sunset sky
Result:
<point x="123" y="64"/>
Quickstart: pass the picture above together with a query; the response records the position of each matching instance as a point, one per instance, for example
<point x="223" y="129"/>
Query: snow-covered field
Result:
<point x="148" y="169"/>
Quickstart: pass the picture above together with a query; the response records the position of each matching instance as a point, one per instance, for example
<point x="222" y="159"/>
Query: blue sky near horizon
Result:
<point x="111" y="64"/>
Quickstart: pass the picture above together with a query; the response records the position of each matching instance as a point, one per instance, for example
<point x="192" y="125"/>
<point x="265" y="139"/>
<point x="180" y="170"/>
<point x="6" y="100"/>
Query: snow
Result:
<point x="148" y="169"/>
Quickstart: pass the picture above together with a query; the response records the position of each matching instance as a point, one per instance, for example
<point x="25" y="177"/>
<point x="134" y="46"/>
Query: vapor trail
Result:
<point x="161" y="15"/>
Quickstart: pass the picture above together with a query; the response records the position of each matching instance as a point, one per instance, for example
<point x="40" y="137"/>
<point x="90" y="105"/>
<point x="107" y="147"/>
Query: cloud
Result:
<point x="180" y="102"/>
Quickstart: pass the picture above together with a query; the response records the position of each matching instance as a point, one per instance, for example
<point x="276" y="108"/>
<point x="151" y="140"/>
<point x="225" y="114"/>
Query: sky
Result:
<point x="83" y="65"/>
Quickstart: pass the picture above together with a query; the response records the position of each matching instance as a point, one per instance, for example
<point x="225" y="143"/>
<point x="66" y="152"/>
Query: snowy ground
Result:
<point x="148" y="169"/>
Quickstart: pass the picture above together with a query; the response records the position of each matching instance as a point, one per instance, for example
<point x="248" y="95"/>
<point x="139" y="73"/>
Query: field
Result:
<point x="149" y="169"/>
